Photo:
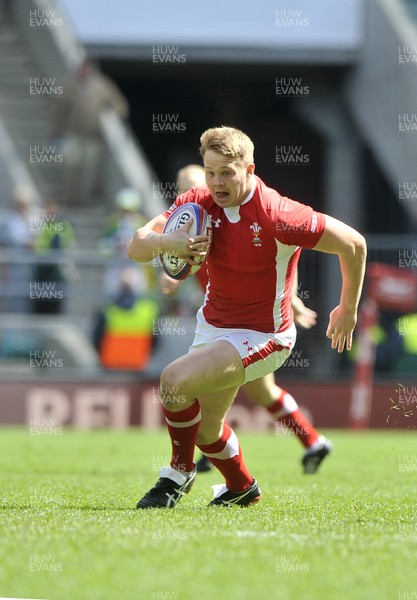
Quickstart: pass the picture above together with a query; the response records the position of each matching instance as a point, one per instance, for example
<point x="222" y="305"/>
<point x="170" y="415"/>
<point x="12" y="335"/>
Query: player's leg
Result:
<point x="212" y="368"/>
<point x="283" y="407"/>
<point x="207" y="369"/>
<point x="220" y="444"/>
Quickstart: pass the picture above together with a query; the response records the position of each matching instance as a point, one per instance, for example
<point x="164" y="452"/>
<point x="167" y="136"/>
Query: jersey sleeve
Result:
<point x="297" y="224"/>
<point x="189" y="196"/>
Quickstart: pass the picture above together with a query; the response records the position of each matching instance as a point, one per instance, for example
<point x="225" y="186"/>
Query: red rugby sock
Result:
<point x="183" y="429"/>
<point x="286" y="412"/>
<point x="226" y="455"/>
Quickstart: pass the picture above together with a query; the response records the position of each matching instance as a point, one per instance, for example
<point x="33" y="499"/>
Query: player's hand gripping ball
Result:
<point x="174" y="266"/>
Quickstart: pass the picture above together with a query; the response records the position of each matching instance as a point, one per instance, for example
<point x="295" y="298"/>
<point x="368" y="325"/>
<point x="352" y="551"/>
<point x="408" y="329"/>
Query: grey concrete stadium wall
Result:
<point x="382" y="89"/>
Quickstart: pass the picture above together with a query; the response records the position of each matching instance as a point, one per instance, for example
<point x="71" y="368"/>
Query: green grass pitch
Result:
<point x="69" y="529"/>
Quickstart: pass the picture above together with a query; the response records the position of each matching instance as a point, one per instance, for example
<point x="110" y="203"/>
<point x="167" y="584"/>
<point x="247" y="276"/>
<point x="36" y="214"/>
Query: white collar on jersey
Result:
<point x="232" y="212"/>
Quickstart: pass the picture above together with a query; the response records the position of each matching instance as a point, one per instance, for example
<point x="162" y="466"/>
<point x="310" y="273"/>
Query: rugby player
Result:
<point x="245" y="327"/>
<point x="263" y="392"/>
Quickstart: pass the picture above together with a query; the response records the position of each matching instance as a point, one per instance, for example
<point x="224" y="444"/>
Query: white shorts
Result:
<point x="261" y="353"/>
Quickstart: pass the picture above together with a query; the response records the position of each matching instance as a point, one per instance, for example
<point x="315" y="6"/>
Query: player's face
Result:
<point x="229" y="182"/>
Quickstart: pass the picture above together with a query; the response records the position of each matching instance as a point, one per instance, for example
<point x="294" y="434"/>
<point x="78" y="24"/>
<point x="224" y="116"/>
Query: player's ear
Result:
<point x="250" y="169"/>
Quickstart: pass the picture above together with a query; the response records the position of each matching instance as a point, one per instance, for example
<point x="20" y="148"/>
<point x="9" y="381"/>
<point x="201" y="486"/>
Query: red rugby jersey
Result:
<point x="253" y="257"/>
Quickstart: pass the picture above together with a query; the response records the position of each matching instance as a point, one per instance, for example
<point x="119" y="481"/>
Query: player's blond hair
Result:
<point x="229" y="141"/>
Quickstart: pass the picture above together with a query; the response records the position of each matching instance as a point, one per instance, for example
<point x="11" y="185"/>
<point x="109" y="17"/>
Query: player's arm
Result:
<point x="149" y="241"/>
<point x="350" y="246"/>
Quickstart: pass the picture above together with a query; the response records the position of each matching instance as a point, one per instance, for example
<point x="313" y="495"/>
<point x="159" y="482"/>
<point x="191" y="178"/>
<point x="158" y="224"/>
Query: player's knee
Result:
<point x="170" y="378"/>
<point x="172" y="388"/>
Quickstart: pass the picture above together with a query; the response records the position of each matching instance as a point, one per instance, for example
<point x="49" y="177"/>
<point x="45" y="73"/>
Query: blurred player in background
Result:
<point x="245" y="327"/>
<point x="263" y="391"/>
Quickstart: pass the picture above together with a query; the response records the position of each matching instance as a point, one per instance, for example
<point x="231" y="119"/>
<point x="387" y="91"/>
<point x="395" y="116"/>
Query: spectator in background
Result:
<point x="77" y="124"/>
<point x="18" y="234"/>
<point x="118" y="231"/>
<point x="56" y="235"/>
<point x="123" y="332"/>
<point x="407" y="328"/>
<point x="17" y="230"/>
<point x="396" y="343"/>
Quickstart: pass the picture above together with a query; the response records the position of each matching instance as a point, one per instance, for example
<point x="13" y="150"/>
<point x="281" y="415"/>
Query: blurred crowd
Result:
<point x="133" y="296"/>
<point x="42" y="243"/>
<point x="41" y="265"/>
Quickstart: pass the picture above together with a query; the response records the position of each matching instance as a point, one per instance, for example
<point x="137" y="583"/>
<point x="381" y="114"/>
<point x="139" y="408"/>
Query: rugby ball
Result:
<point x="177" y="267"/>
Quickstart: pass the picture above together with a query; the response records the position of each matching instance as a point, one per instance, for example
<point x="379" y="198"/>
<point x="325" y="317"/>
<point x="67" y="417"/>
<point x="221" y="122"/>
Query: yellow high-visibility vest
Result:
<point x="127" y="342"/>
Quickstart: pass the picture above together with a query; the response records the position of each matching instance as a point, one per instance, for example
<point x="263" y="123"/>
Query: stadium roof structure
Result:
<point x="305" y="31"/>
